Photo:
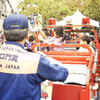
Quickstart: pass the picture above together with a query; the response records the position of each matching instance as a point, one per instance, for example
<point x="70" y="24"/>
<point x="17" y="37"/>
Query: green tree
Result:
<point x="91" y="8"/>
<point x="47" y="8"/>
<point x="73" y="4"/>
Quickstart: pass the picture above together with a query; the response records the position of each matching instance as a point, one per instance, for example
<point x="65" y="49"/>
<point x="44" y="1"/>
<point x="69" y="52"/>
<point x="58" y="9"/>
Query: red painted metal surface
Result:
<point x="51" y="21"/>
<point x="85" y="20"/>
<point x="67" y="92"/>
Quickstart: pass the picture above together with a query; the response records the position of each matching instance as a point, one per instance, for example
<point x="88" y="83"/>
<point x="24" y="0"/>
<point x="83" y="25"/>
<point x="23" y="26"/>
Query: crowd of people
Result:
<point x="59" y="37"/>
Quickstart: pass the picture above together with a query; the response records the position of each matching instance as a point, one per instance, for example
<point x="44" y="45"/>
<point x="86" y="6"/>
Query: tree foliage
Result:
<point x="60" y="8"/>
<point x="73" y="4"/>
<point x="47" y="8"/>
<point x="91" y="8"/>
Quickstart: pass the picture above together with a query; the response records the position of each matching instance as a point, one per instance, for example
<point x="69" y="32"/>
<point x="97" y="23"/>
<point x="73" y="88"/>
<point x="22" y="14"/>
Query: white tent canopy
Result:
<point x="62" y="22"/>
<point x="77" y="20"/>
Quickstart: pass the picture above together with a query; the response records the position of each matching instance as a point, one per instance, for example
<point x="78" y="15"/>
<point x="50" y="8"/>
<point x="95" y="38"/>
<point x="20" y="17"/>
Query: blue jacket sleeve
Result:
<point x="53" y="72"/>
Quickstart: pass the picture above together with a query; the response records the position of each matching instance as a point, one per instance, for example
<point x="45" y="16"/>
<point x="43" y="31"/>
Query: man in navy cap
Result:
<point x="21" y="72"/>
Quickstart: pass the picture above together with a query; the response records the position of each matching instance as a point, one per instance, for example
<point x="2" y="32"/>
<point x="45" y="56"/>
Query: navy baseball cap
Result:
<point x="15" y="21"/>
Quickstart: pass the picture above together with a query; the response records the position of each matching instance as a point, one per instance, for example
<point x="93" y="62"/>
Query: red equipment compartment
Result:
<point x="72" y="91"/>
<point x="66" y="92"/>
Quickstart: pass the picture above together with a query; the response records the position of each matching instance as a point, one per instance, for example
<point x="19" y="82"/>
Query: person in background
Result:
<point x="44" y="35"/>
<point x="32" y="40"/>
<point x="68" y="37"/>
<point x="92" y="44"/>
<point x="28" y="43"/>
<point x="22" y="72"/>
<point x="85" y="40"/>
<point x="58" y="39"/>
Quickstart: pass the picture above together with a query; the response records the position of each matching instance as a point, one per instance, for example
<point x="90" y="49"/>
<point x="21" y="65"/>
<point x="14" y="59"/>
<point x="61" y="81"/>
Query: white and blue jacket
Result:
<point x="22" y="72"/>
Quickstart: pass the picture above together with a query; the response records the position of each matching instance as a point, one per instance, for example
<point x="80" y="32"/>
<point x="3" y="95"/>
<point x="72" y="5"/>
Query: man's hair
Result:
<point x="15" y="34"/>
<point x="85" y="38"/>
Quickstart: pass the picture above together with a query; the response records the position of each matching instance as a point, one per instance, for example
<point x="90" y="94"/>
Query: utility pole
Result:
<point x="10" y="6"/>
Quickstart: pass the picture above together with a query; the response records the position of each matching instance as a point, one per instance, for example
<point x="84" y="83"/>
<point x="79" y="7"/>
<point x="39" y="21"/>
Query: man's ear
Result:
<point x="3" y="35"/>
<point x="27" y="36"/>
